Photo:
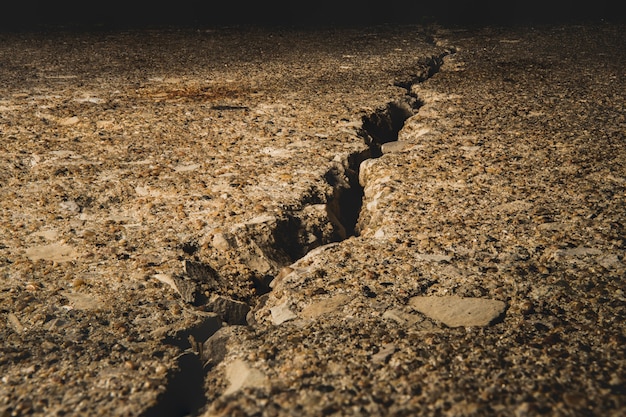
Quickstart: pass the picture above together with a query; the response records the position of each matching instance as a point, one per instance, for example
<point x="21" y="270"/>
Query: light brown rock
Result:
<point x="456" y="311"/>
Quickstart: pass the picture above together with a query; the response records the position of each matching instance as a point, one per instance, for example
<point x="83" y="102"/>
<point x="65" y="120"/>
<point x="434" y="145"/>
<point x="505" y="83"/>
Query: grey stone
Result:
<point x="231" y="311"/>
<point x="393" y="147"/>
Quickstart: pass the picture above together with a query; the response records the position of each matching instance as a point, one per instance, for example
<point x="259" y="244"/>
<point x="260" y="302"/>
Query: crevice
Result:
<point x="378" y="128"/>
<point x="382" y="126"/>
<point x="319" y="220"/>
<point x="184" y="395"/>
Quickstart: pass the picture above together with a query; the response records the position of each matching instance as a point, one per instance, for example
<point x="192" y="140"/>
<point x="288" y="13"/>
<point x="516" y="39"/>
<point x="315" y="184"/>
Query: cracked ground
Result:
<point x="177" y="210"/>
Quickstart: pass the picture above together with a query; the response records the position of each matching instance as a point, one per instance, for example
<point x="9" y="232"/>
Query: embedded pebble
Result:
<point x="241" y="375"/>
<point x="282" y="313"/>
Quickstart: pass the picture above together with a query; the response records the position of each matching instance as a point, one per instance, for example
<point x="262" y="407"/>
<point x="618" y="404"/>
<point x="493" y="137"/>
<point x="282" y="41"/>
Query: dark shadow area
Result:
<point x="384" y="125"/>
<point x="184" y="395"/>
<point x="118" y="14"/>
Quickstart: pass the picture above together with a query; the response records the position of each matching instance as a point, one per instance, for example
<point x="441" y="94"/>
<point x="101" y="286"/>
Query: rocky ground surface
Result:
<point x="369" y="221"/>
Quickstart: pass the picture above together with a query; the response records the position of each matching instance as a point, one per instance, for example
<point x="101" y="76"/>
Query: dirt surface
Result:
<point x="379" y="221"/>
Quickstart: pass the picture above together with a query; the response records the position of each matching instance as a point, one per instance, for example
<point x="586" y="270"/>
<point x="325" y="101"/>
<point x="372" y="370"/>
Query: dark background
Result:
<point x="139" y="13"/>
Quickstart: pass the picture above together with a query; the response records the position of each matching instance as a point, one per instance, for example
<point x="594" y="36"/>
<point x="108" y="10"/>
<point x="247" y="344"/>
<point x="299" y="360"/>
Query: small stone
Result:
<point x="380" y="234"/>
<point x="69" y="121"/>
<point x="78" y="282"/>
<point x="281" y="313"/>
<point x="433" y="257"/>
<point x="70" y="205"/>
<point x="14" y="322"/>
<point x="241" y="375"/>
<point x="221" y="242"/>
<point x="456" y="311"/>
<point x="187" y="168"/>
<point x="393" y="147"/>
<point x="81" y="301"/>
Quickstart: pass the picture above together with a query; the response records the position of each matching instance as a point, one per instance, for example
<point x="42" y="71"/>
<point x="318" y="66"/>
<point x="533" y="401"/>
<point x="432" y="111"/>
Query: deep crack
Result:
<point x="293" y="236"/>
<point x="378" y="128"/>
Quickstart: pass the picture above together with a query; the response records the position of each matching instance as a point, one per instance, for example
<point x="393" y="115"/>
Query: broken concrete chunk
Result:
<point x="186" y="288"/>
<point x="56" y="252"/>
<point x="81" y="301"/>
<point x="69" y="121"/>
<point x="401" y="317"/>
<point x="456" y="311"/>
<point x="202" y="273"/>
<point x="222" y="241"/>
<point x="215" y="346"/>
<point x="181" y="334"/>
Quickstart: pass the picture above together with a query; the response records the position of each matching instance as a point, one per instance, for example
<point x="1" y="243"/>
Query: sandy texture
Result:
<point x="307" y="193"/>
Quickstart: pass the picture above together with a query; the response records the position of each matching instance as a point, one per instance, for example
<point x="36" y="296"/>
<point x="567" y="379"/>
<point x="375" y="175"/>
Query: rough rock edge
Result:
<point x="344" y="206"/>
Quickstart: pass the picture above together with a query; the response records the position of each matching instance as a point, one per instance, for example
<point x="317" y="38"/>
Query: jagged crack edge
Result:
<point x="344" y="206"/>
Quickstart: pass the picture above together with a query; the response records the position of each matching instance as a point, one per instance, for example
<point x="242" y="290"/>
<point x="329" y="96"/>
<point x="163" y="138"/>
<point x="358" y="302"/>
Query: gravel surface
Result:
<point x="370" y="221"/>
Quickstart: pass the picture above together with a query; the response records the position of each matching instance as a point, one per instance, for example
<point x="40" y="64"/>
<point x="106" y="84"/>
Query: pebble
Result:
<point x="282" y="313"/>
<point x="241" y="375"/>
<point x="231" y="311"/>
<point x="15" y="323"/>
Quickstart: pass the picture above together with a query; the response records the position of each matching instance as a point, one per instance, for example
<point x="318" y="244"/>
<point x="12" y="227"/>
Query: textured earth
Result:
<point x="385" y="220"/>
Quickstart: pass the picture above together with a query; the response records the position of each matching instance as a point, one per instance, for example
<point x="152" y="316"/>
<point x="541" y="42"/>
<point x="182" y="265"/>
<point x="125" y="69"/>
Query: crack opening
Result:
<point x="319" y="221"/>
<point x="378" y="128"/>
<point x="185" y="394"/>
<point x="382" y="126"/>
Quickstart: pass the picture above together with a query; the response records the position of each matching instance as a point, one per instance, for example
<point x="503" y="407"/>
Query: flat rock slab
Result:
<point x="456" y="311"/>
